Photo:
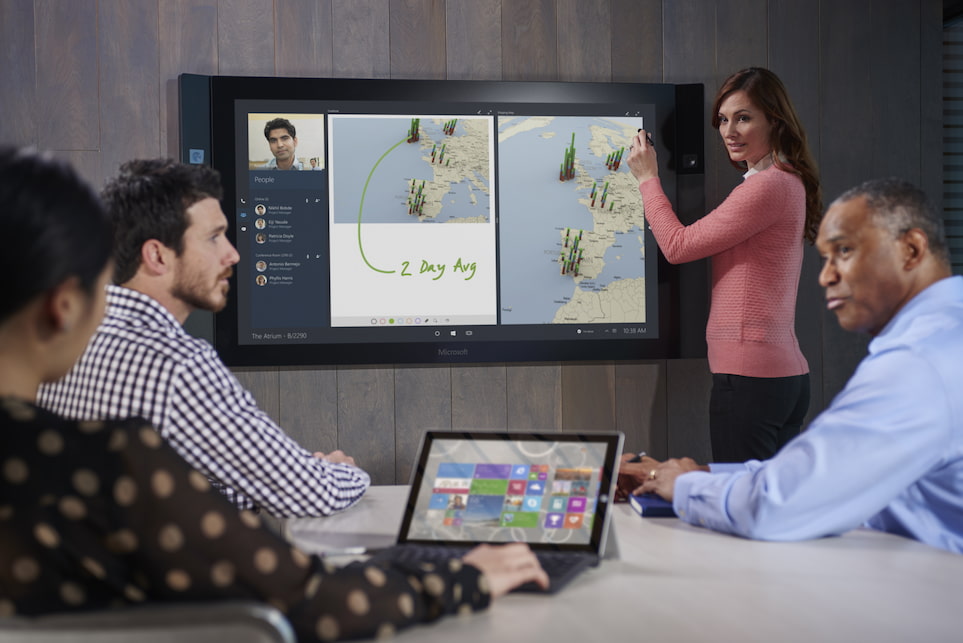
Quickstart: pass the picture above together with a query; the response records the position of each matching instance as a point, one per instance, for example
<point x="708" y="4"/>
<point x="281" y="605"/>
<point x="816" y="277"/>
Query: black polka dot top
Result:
<point x="95" y="515"/>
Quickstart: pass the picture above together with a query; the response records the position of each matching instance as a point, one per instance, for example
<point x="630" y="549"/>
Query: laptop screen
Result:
<point x="551" y="490"/>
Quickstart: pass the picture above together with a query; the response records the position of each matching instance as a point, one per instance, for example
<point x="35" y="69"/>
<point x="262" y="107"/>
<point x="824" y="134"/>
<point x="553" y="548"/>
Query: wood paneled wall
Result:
<point x="95" y="82"/>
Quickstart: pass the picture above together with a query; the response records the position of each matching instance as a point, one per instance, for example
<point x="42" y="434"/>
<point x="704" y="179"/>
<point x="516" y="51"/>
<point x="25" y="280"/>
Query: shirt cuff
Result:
<point x="726" y="467"/>
<point x="682" y="493"/>
<point x="653" y="183"/>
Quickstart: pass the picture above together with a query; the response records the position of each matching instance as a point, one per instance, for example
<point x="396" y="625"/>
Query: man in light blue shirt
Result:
<point x="888" y="452"/>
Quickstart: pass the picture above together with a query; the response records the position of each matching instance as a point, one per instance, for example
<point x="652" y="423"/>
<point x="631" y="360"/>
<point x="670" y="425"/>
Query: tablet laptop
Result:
<point x="551" y="490"/>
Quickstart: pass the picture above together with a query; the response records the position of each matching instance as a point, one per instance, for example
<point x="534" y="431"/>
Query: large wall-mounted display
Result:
<point x="397" y="221"/>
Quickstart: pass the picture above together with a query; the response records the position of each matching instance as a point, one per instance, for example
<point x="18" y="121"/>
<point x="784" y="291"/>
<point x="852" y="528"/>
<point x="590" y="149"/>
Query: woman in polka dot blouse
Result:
<point x="95" y="515"/>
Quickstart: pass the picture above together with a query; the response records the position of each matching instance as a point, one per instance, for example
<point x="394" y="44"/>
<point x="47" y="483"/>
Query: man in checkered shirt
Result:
<point x="172" y="257"/>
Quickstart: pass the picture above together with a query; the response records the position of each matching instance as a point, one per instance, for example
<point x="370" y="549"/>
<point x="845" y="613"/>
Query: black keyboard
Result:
<point x="561" y="566"/>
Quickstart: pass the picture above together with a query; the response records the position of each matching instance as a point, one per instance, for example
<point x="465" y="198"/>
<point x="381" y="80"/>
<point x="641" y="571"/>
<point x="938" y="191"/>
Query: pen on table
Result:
<point x="637" y="457"/>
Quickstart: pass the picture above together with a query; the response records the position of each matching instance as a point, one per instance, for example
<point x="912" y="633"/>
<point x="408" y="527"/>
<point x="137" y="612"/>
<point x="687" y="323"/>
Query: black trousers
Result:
<point x="752" y="417"/>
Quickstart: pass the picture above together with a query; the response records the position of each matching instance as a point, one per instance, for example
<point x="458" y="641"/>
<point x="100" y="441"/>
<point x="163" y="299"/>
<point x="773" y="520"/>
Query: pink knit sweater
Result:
<point x="755" y="239"/>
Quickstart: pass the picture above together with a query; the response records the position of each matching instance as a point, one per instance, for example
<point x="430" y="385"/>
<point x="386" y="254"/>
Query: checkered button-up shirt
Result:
<point x="141" y="362"/>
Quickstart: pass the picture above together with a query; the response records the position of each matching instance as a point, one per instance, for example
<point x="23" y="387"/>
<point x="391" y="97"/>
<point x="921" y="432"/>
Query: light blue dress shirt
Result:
<point x="887" y="453"/>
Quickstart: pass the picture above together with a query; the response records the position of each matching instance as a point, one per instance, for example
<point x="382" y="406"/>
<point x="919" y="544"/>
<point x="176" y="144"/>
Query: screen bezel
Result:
<point x="613" y="442"/>
<point x="225" y="90"/>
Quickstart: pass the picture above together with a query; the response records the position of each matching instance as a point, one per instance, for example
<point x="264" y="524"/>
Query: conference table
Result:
<point x="670" y="581"/>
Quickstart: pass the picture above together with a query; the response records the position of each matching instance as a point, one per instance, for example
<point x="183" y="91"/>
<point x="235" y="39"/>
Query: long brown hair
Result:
<point x="788" y="140"/>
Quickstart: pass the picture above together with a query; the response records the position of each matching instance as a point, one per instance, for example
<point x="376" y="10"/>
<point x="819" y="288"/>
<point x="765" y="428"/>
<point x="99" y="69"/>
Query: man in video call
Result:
<point x="172" y="257"/>
<point x="282" y="137"/>
<point x="888" y="452"/>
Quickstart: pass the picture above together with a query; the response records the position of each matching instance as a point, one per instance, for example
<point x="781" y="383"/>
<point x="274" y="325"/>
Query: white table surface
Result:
<point x="675" y="582"/>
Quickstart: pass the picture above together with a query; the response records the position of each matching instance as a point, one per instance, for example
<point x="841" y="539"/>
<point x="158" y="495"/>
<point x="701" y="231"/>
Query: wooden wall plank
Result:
<point x="689" y="41"/>
<point x="748" y="19"/>
<point x="931" y="98"/>
<point x="422" y="401"/>
<point x="188" y="45"/>
<point x="690" y="57"/>
<point x="360" y="36"/>
<point x="68" y="111"/>
<point x="303" y="47"/>
<point x="584" y="40"/>
<point x="18" y="71"/>
<point x="791" y="52"/>
<point x="479" y="397"/>
<point x="129" y="82"/>
<point x="588" y="397"/>
<point x="896" y="87"/>
<point x="263" y="384"/>
<point x="308" y="400"/>
<point x="529" y="37"/>
<point x="689" y="383"/>
<point x="417" y="39"/>
<point x="640" y="410"/>
<point x="810" y="305"/>
<point x="366" y="419"/>
<point x="637" y="41"/>
<point x="87" y="164"/>
<point x="534" y="397"/>
<point x="246" y="37"/>
<point x="473" y="33"/>
<point x="847" y="140"/>
<point x="847" y="96"/>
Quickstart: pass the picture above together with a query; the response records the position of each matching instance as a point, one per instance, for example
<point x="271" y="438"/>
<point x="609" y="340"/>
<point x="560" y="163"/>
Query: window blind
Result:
<point x="953" y="139"/>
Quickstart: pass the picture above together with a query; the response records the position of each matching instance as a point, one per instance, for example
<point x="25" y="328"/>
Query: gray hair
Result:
<point x="899" y="206"/>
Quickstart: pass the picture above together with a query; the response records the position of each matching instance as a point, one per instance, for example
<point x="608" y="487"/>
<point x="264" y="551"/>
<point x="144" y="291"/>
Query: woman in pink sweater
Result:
<point x="760" y="379"/>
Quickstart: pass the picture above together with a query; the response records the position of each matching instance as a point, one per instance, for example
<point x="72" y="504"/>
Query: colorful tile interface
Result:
<point x="514" y="495"/>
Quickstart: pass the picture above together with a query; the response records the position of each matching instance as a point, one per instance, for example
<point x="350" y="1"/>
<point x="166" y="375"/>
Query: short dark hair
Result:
<point x="899" y="206"/>
<point x="149" y="200"/>
<point x="54" y="228"/>
<point x="279" y="123"/>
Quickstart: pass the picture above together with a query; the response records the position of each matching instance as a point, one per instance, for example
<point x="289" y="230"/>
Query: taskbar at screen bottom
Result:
<point x="410" y="321"/>
<point x="427" y="333"/>
<point x="451" y="345"/>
